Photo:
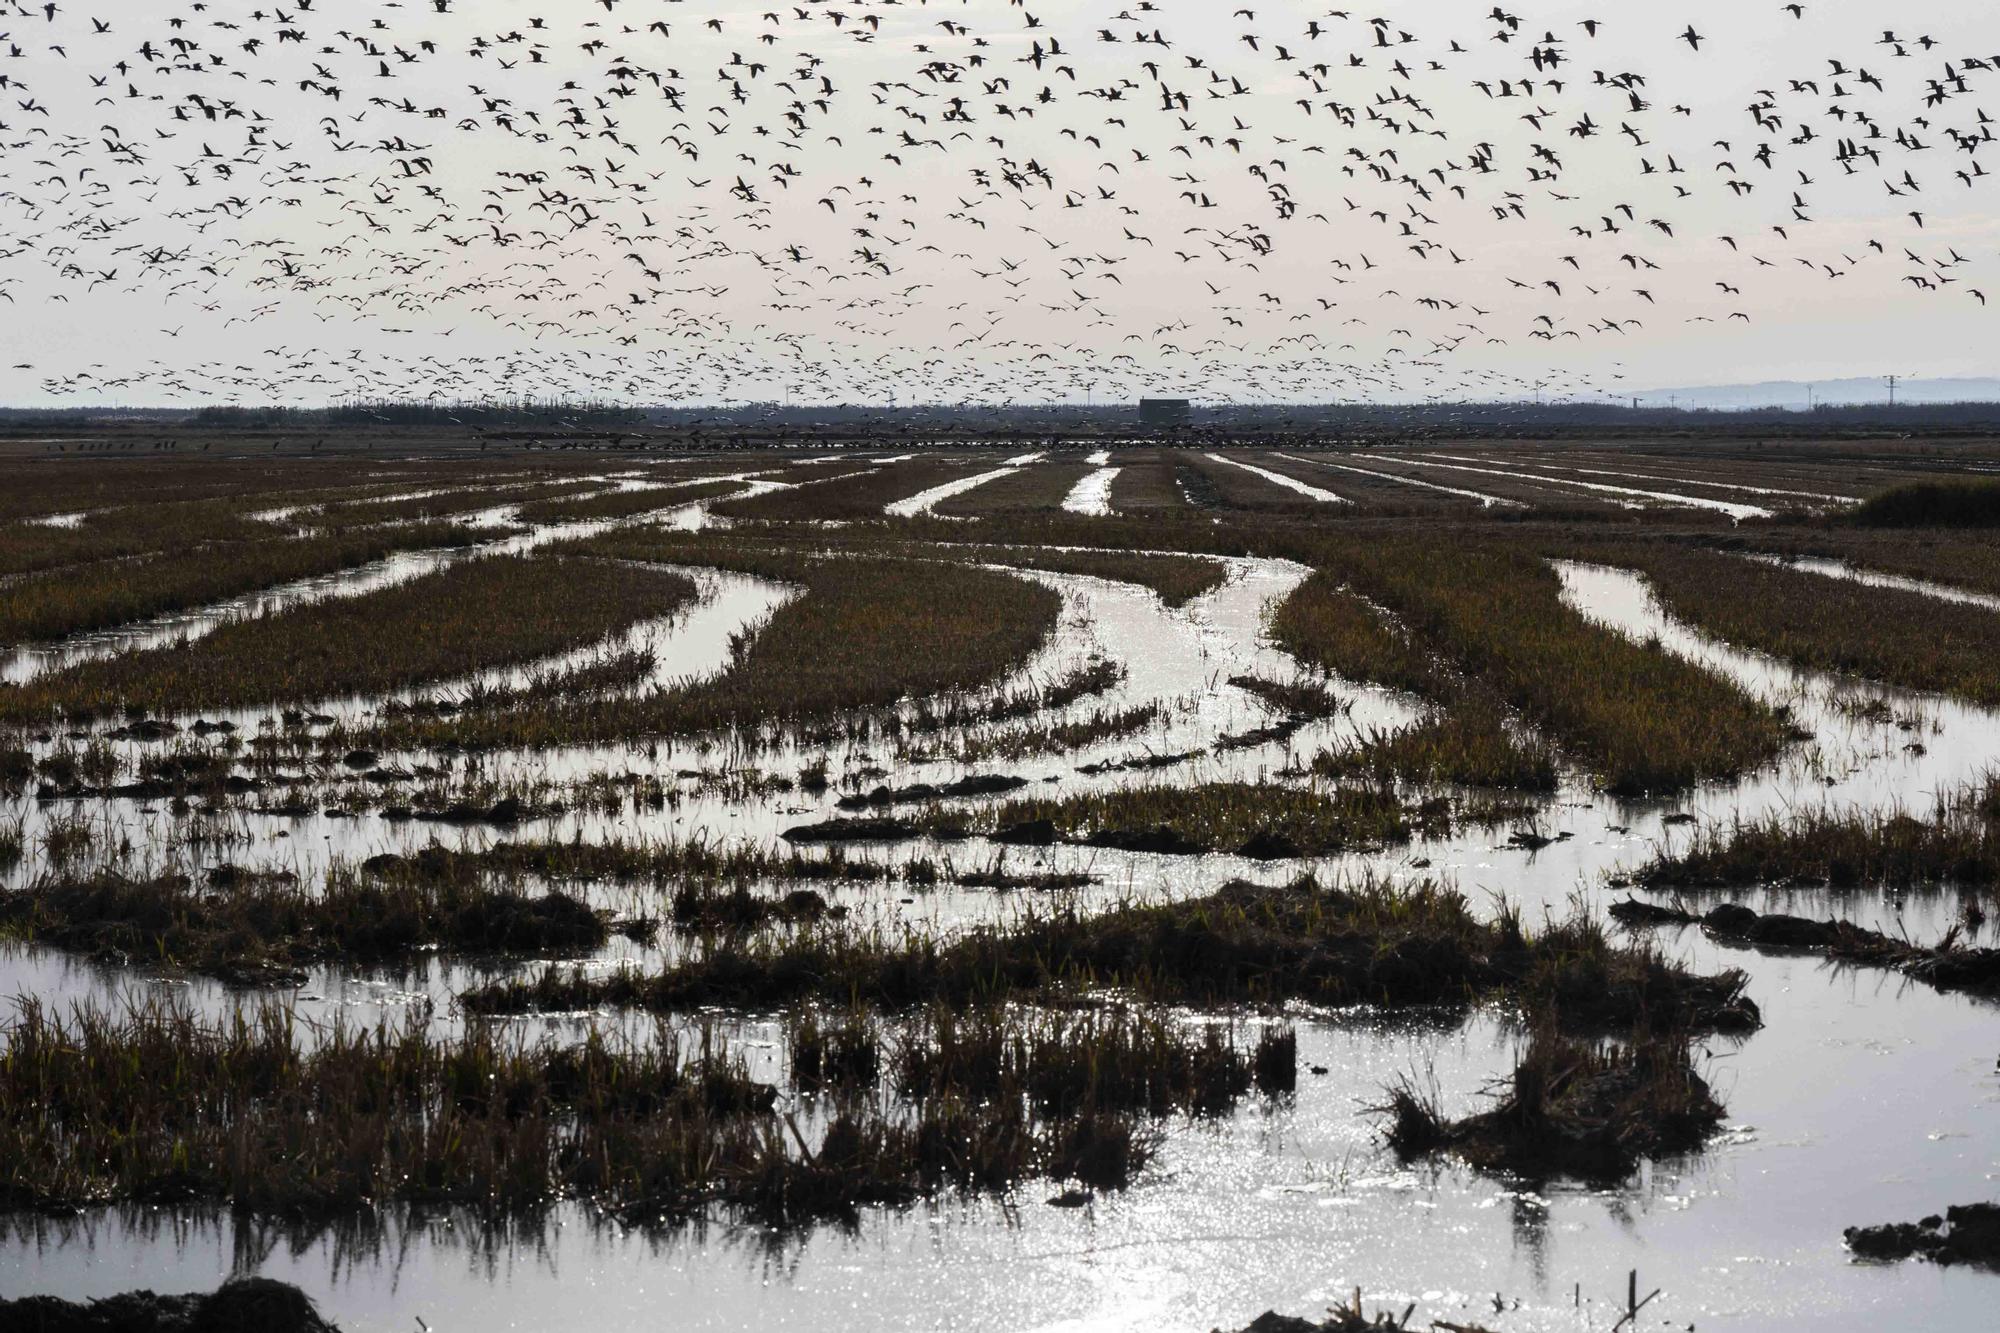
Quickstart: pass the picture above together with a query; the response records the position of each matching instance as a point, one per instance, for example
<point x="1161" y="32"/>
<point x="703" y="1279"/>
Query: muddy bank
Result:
<point x="1966" y="1234"/>
<point x="1946" y="965"/>
<point x="242" y="1305"/>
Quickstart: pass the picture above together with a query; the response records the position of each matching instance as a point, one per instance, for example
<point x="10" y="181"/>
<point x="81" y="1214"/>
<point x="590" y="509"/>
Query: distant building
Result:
<point x="1165" y="411"/>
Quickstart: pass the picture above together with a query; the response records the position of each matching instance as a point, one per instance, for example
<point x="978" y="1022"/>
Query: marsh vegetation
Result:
<point x="804" y="859"/>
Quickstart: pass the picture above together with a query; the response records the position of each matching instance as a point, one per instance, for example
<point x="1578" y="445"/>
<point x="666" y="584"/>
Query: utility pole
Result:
<point x="1892" y="389"/>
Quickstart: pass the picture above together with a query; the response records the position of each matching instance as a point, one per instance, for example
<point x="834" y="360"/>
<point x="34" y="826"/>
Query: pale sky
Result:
<point x="844" y="201"/>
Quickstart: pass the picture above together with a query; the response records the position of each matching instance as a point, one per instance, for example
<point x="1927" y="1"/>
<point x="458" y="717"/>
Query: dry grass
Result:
<point x="1146" y="487"/>
<point x="155" y="1106"/>
<point x="855" y="491"/>
<point x="1177" y="579"/>
<point x="1957" y="503"/>
<point x="1469" y="746"/>
<point x="1961" y="558"/>
<point x="1326" y="625"/>
<point x="130" y="531"/>
<point x="1466" y="738"/>
<point x="1042" y="485"/>
<point x="443" y="504"/>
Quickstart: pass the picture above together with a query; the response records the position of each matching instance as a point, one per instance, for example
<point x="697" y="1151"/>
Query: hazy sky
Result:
<point x="675" y="200"/>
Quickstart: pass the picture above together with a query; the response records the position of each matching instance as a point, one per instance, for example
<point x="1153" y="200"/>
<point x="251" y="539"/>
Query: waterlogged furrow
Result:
<point x="1485" y="500"/>
<point x="692" y="644"/>
<point x="497" y="610"/>
<point x="1280" y="479"/>
<point x="1092" y="495"/>
<point x="1840" y="569"/>
<point x="30" y="662"/>
<point x="1742" y="487"/>
<point x="1873" y="749"/>
<point x="1734" y="510"/>
<point x="1852" y="625"/>
<point x="923" y="502"/>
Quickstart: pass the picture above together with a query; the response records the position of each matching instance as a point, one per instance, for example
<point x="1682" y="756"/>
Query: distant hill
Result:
<point x="1848" y="392"/>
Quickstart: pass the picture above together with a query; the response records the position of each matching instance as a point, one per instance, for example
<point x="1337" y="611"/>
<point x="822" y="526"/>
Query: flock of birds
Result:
<point x="959" y="201"/>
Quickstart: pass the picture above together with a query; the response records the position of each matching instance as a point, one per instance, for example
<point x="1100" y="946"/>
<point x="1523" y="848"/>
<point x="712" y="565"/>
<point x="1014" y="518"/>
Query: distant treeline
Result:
<point x="1334" y="418"/>
<point x="513" y="413"/>
<point x="1501" y="419"/>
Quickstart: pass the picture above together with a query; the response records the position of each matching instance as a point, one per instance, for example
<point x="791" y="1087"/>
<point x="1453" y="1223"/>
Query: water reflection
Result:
<point x="1866" y="1098"/>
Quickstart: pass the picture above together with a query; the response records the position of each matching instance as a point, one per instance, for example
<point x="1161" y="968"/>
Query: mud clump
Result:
<point x="855" y="830"/>
<point x="1966" y="1234"/>
<point x="703" y="907"/>
<point x="1269" y="846"/>
<point x="986" y="784"/>
<point x="1027" y="833"/>
<point x="1161" y="839"/>
<point x="242" y="1305"/>
<point x="1347" y="1319"/>
<point x="1945" y="966"/>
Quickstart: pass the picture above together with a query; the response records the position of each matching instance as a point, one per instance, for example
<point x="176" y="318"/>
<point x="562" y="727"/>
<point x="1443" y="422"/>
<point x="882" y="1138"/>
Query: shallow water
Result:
<point x="1280" y="479"/>
<point x="923" y="502"/>
<point x="1288" y="1205"/>
<point x="1837" y="569"/>
<point x="1866" y="1098"/>
<point x="1681" y="481"/>
<point x="1485" y="500"/>
<point x="1092" y="495"/>
<point x="31" y="660"/>
<point x="1731" y="508"/>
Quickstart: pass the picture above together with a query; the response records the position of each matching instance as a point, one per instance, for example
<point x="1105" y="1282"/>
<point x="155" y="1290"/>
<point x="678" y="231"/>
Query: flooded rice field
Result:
<point x="1354" y="780"/>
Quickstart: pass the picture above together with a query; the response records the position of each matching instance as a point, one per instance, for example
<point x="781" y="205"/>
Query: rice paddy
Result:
<point x="885" y="852"/>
